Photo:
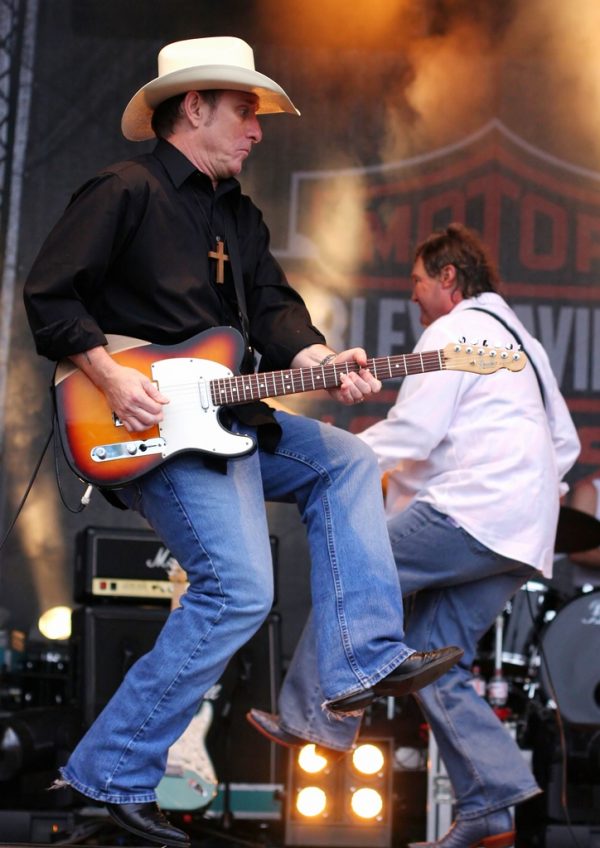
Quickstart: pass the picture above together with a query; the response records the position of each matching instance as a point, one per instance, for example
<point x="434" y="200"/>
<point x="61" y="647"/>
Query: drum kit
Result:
<point x="547" y="642"/>
<point x="546" y="652"/>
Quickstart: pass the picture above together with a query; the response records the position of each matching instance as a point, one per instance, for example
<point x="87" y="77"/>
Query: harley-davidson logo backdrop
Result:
<point x="352" y="233"/>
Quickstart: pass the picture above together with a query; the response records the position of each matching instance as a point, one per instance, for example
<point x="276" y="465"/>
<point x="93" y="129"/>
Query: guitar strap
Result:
<point x="519" y="342"/>
<point x="269" y="431"/>
<point x="233" y="248"/>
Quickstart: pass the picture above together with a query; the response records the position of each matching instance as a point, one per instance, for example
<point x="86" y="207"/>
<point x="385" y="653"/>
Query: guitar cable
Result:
<point x="559" y="724"/>
<point x="28" y="488"/>
<point x="84" y="501"/>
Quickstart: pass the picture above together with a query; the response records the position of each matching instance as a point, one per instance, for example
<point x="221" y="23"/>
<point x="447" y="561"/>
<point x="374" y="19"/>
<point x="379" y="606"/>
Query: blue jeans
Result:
<point x="215" y="526"/>
<point x="462" y="586"/>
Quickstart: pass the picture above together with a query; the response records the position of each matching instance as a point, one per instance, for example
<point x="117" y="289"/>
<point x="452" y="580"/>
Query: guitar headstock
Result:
<point x="482" y="359"/>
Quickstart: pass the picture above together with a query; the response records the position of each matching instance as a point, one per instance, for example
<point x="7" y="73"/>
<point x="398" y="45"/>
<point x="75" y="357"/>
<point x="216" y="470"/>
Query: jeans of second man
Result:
<point x="462" y="586"/>
<point x="215" y="526"/>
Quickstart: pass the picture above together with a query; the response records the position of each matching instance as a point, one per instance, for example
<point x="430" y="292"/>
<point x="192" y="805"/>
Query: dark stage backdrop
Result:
<point x="414" y="114"/>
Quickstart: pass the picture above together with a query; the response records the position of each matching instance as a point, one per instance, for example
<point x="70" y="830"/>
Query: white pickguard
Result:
<point x="190" y="782"/>
<point x="190" y="419"/>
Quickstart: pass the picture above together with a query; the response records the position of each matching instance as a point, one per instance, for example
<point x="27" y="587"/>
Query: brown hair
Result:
<point x="462" y="248"/>
<point x="167" y="113"/>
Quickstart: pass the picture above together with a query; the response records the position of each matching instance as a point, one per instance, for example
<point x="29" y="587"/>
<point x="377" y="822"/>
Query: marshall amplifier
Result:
<point x="124" y="564"/>
<point x="121" y="564"/>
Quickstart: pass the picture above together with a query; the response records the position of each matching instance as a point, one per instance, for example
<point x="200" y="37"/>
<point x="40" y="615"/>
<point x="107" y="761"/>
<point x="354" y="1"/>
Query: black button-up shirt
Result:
<point x="130" y="256"/>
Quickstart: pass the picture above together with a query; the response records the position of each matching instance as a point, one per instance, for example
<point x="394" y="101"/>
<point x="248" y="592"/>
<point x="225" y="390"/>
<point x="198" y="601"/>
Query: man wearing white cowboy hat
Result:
<point x="164" y="247"/>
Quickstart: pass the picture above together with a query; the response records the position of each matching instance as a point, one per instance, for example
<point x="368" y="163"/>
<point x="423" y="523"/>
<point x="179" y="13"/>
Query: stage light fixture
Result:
<point x="367" y="759"/>
<point x="344" y="802"/>
<point x="55" y="623"/>
<point x="311" y="801"/>
<point x="367" y="803"/>
<point x="310" y="761"/>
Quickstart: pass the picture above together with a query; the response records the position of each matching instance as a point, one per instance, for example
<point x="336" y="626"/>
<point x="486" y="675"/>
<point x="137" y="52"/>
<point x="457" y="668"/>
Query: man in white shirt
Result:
<point x="474" y="467"/>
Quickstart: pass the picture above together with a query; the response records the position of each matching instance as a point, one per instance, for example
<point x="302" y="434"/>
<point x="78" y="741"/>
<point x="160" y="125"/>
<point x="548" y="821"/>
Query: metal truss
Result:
<point x="17" y="38"/>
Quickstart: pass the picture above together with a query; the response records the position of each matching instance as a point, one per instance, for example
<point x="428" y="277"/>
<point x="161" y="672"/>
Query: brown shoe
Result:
<point x="494" y="830"/>
<point x="268" y="724"/>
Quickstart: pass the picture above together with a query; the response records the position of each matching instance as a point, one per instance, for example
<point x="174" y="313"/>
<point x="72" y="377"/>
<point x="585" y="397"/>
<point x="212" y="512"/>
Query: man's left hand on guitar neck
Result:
<point x="355" y="386"/>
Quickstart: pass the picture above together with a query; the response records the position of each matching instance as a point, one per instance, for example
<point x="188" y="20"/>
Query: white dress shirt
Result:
<point x="481" y="449"/>
<point x="596" y="483"/>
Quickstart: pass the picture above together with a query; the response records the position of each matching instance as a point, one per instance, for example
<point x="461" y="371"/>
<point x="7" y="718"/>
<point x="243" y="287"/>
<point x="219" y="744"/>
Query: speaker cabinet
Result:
<point x="109" y="639"/>
<point x="252" y="679"/>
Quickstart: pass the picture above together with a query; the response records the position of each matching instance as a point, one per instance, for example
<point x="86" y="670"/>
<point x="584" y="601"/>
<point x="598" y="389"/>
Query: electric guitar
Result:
<point x="198" y="378"/>
<point x="189" y="782"/>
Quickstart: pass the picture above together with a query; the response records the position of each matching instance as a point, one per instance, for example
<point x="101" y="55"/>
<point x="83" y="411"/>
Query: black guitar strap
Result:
<point x="235" y="259"/>
<point x="519" y="342"/>
<point x="269" y="433"/>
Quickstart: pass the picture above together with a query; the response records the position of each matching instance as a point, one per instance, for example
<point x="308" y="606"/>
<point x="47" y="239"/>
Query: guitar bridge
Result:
<point x="127" y="450"/>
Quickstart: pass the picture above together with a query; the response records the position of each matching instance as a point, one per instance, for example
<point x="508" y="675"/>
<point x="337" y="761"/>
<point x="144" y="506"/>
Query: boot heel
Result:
<point x="500" y="840"/>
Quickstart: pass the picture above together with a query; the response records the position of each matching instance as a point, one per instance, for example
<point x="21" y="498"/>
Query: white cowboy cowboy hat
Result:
<point x="199" y="64"/>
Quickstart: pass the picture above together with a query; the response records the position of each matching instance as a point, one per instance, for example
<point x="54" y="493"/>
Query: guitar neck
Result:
<point x="249" y="387"/>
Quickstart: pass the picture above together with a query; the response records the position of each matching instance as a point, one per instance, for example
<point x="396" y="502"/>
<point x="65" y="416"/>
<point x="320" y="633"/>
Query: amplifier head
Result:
<point x="128" y="564"/>
<point x="122" y="563"/>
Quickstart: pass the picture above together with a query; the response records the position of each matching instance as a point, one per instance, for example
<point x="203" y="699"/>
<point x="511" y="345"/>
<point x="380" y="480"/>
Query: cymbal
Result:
<point x="576" y="531"/>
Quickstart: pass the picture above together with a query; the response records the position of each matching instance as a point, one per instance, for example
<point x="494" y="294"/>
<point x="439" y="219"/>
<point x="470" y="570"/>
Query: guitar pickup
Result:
<point x="127" y="450"/>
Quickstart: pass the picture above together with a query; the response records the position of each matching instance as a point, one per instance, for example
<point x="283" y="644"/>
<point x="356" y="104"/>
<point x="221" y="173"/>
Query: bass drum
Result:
<point x="524" y="618"/>
<point x="570" y="661"/>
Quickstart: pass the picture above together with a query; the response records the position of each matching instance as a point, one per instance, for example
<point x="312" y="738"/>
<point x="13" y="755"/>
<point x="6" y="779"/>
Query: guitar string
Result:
<point x="250" y="386"/>
<point x="241" y="388"/>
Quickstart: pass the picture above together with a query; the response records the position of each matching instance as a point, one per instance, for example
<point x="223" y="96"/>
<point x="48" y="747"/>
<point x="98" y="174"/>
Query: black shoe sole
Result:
<point x="420" y="679"/>
<point x="412" y="683"/>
